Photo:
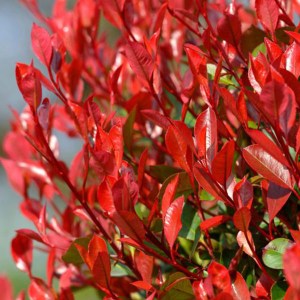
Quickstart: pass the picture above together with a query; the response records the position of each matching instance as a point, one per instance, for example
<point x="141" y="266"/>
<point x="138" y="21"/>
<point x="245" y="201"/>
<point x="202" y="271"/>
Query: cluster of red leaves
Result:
<point x="187" y="182"/>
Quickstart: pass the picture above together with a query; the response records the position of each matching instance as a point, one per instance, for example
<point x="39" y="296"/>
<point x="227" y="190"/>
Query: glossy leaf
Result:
<point x="264" y="164"/>
<point x="177" y="147"/>
<point x="290" y="59"/>
<point x="172" y="221"/>
<point x="239" y="287"/>
<point x="263" y="141"/>
<point x="220" y="277"/>
<point x="169" y="194"/>
<point x="245" y="240"/>
<point x="222" y="163"/>
<point x="206" y="135"/>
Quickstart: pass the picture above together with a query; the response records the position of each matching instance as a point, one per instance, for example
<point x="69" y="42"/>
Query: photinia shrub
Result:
<point x="186" y="181"/>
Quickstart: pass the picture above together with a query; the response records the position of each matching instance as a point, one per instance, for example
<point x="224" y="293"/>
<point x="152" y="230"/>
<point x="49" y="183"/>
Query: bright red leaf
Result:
<point x="172" y="221"/>
<point x="268" y="13"/>
<point x="41" y="44"/>
<point x="214" y="221"/>
<point x="291" y="266"/>
<point x="264" y="164"/>
<point x="21" y="250"/>
<point x="140" y="60"/>
<point x="222" y="163"/>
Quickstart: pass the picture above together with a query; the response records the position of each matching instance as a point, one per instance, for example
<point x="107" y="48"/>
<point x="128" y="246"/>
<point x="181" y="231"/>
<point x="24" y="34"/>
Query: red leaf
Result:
<point x="264" y="164"/>
<point x="172" y="221"/>
<point x="273" y="50"/>
<point x="112" y="10"/>
<point x="213" y="222"/>
<point x="129" y="224"/>
<point x="30" y="234"/>
<point x="41" y="44"/>
<point x="242" y="242"/>
<point x="260" y="138"/>
<point x="239" y="287"/>
<point x="242" y="218"/>
<point x="263" y="286"/>
<point x="141" y="167"/>
<point x="177" y="147"/>
<point x="157" y="118"/>
<point x="220" y="277"/>
<point x="38" y="290"/>
<point x="295" y="235"/>
<point x="144" y="264"/>
<point x="121" y="196"/>
<point x="229" y="29"/>
<point x="291" y="266"/>
<point x="105" y="197"/>
<point x="169" y="195"/>
<point x="278" y="101"/>
<point x="268" y="13"/>
<point x="142" y="285"/>
<point x="207" y="143"/>
<point x="258" y="72"/>
<point x="198" y="62"/>
<point x="243" y="194"/>
<point x="6" y="288"/>
<point x="140" y="61"/>
<point x="97" y="259"/>
<point x="21" y="250"/>
<point x="206" y="182"/>
<point x="222" y="163"/>
<point x="276" y="198"/>
<point x="29" y="85"/>
<point x="291" y="59"/>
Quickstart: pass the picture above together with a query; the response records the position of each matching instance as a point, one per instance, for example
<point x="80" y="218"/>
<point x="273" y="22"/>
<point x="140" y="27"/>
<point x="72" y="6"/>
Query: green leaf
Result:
<point x="273" y="252"/>
<point x="120" y="270"/>
<point x="162" y="172"/>
<point x="72" y="255"/>
<point x="278" y="290"/>
<point x="190" y="222"/>
<point x="224" y="79"/>
<point x="177" y="287"/>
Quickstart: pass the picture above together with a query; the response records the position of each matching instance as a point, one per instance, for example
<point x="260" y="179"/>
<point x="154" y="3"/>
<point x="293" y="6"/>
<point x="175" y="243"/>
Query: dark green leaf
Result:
<point x="72" y="255"/>
<point x="162" y="172"/>
<point x="177" y="287"/>
<point x="278" y="290"/>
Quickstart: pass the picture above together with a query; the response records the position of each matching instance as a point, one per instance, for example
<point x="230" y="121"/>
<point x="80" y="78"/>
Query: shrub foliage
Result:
<point x="185" y="183"/>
